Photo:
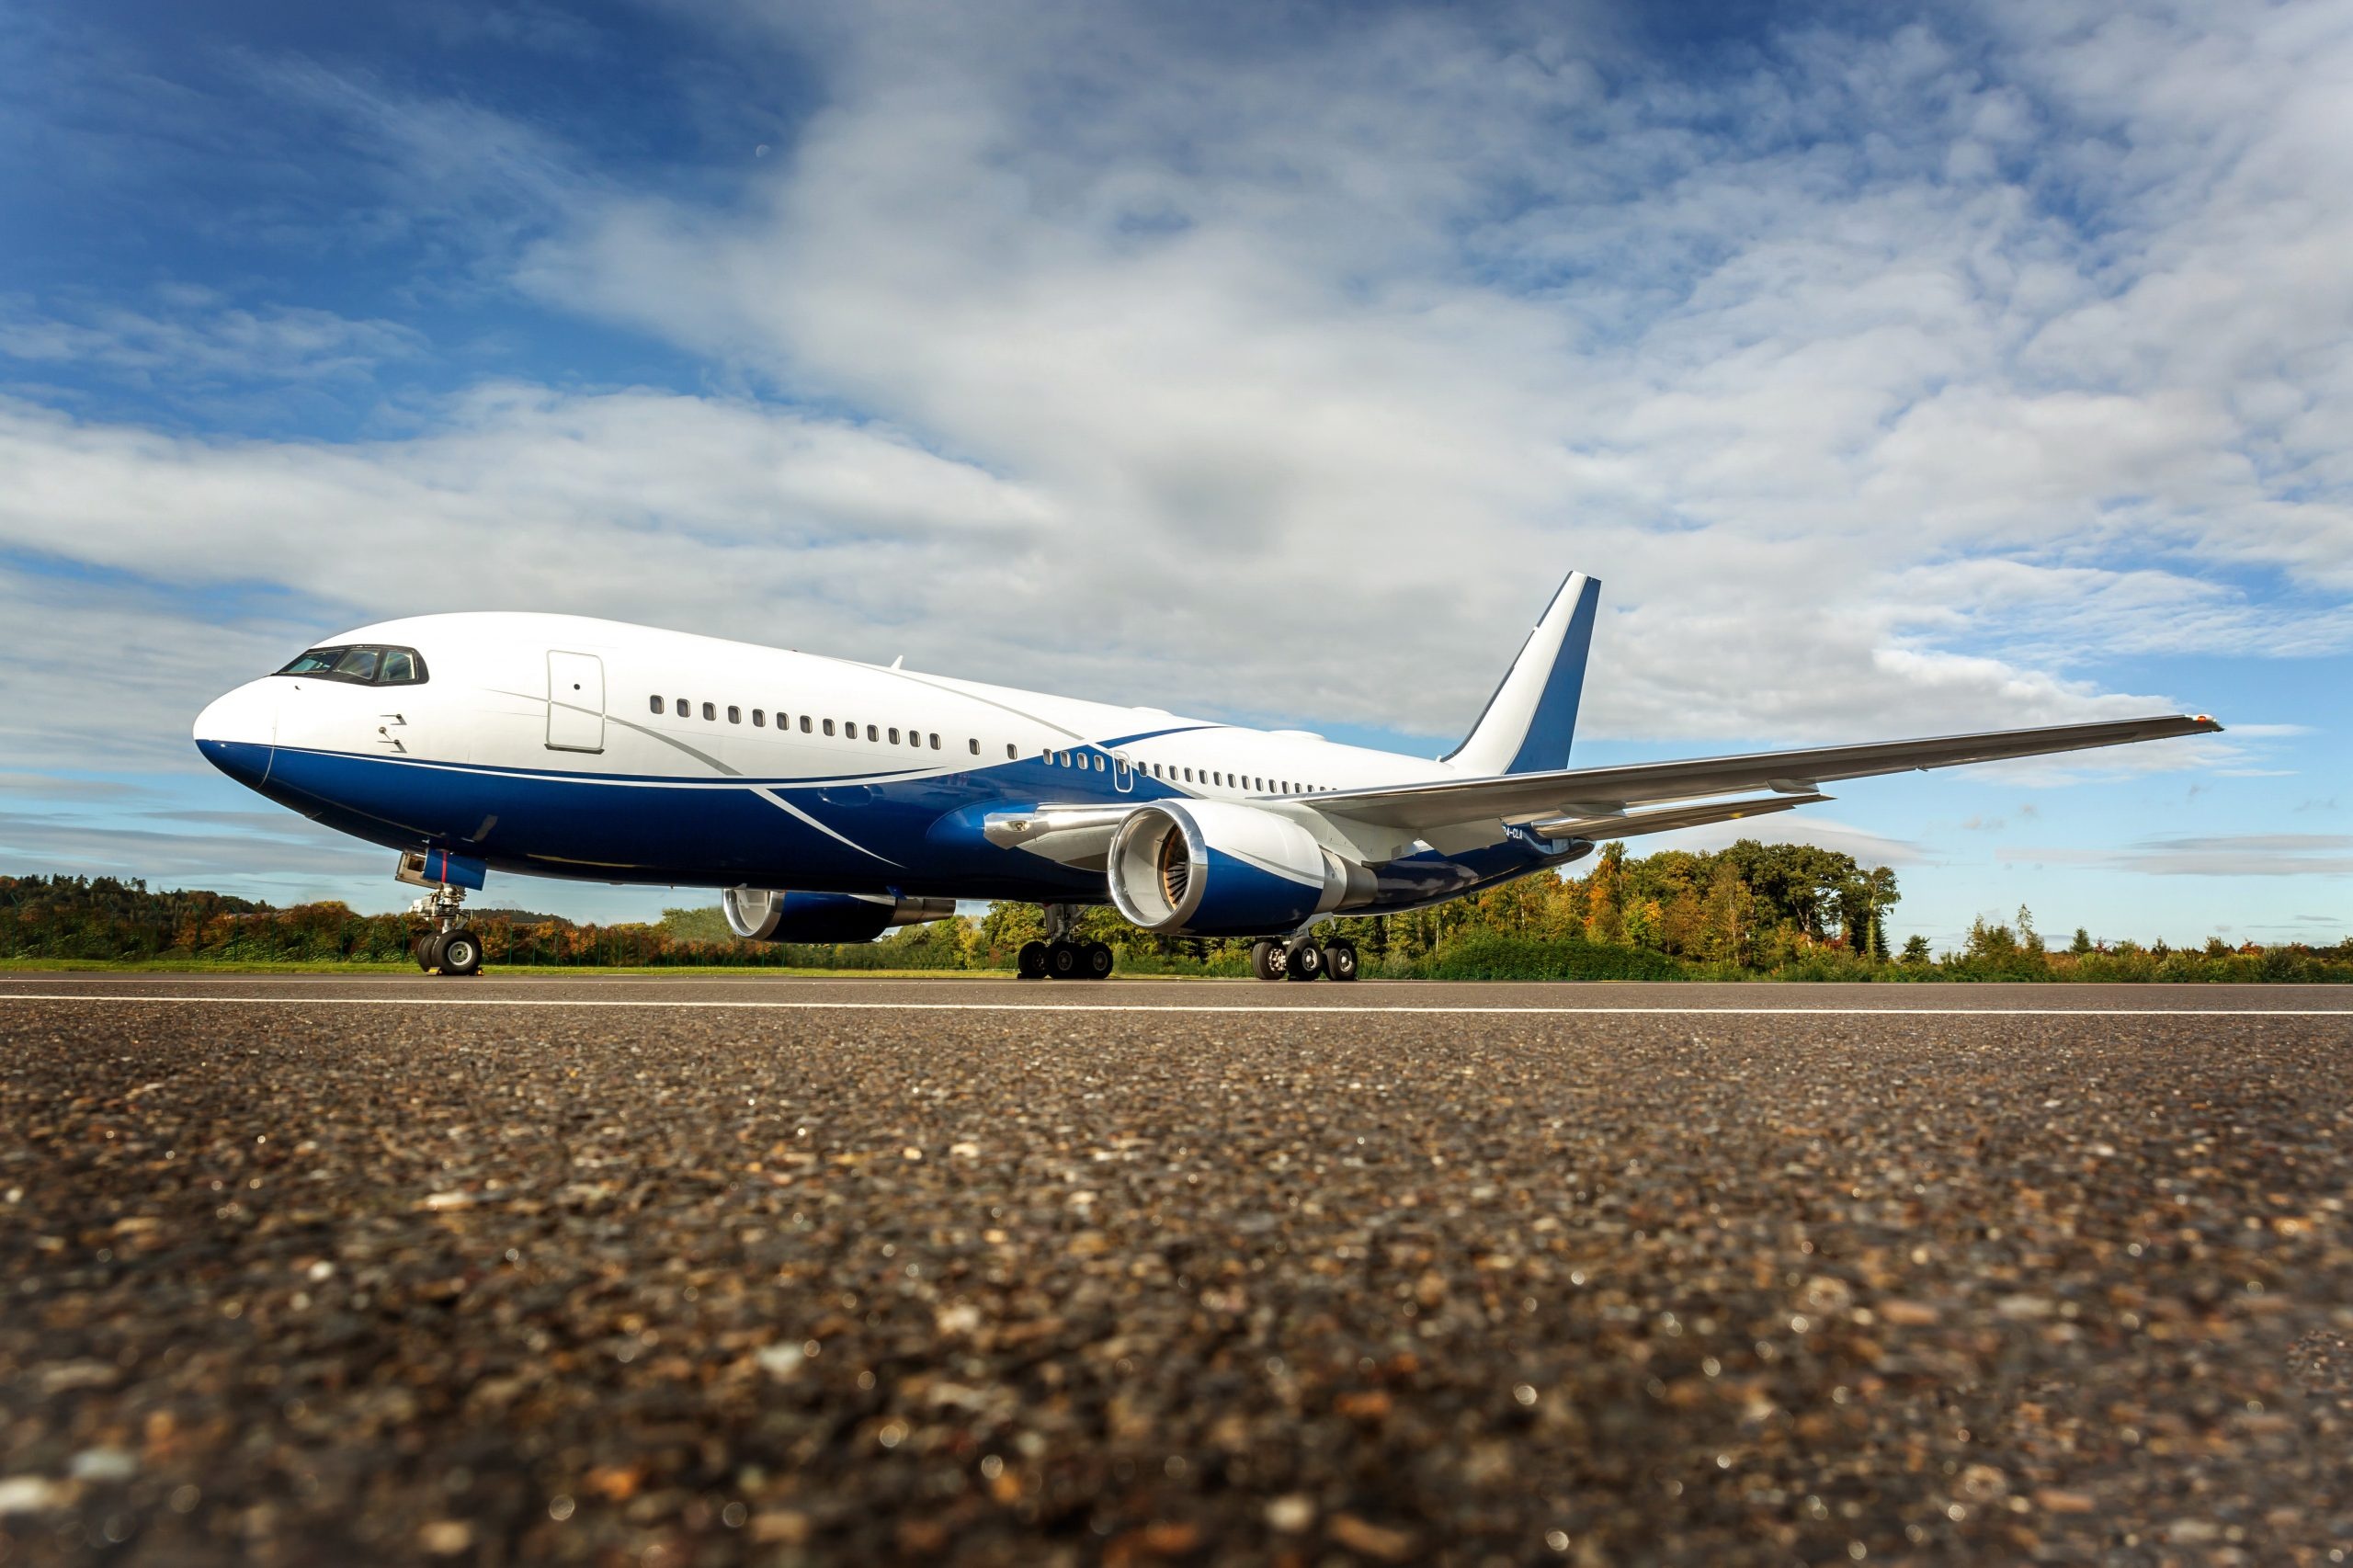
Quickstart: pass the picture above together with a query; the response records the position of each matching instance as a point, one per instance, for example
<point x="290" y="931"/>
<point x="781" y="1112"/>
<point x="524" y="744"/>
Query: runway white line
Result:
<point x="87" y="999"/>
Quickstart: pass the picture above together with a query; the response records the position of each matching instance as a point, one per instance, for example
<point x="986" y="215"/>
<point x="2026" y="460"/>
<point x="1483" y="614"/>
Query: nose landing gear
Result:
<point x="454" y="951"/>
<point x="448" y="947"/>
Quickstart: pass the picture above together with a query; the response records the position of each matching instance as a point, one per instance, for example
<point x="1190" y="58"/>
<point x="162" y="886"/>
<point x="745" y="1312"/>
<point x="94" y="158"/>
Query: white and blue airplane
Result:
<point x="564" y="746"/>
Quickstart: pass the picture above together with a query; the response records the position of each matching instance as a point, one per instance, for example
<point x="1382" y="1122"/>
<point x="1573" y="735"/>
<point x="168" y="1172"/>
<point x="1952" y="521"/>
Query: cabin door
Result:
<point x="575" y="702"/>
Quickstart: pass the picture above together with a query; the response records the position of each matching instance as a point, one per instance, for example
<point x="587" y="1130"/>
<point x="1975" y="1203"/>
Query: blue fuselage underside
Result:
<point x="898" y="835"/>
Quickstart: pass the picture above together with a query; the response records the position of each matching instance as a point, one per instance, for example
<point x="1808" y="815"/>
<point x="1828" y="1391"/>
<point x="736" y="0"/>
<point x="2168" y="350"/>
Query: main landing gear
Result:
<point x="1062" y="956"/>
<point x="449" y="947"/>
<point x="1303" y="959"/>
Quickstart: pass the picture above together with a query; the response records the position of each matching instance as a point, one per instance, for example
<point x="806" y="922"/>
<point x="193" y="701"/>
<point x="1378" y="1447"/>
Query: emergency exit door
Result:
<point x="575" y="702"/>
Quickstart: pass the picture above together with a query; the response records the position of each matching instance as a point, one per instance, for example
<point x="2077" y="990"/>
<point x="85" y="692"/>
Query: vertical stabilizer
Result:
<point x="1532" y="718"/>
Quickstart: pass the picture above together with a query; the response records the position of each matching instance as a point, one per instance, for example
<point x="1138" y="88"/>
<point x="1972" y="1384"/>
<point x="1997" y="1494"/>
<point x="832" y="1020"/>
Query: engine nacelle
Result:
<point x="771" y="914"/>
<point x="1213" y="869"/>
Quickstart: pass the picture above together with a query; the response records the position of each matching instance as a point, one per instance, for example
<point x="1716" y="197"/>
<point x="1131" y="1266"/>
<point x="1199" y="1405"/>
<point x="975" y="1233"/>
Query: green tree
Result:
<point x="1862" y="902"/>
<point x="1800" y="882"/>
<point x="706" y="925"/>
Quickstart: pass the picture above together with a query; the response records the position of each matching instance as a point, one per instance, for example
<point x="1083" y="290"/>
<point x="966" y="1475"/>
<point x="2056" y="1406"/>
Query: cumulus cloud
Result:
<point x="1886" y="377"/>
<point x="1810" y="362"/>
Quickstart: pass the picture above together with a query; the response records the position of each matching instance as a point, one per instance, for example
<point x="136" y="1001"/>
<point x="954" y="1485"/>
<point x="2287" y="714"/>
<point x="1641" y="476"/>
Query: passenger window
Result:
<point x="870" y="734"/>
<point x="804" y="725"/>
<point x="684" y="710"/>
<point x="894" y="734"/>
<point x="711" y="711"/>
<point x="935" y="740"/>
<point x="1100" y="765"/>
<point x="1009" y="752"/>
<point x="734" y="714"/>
<point x="658" y="705"/>
<point x="976" y="743"/>
<point x="829" y="726"/>
<point x="759" y="720"/>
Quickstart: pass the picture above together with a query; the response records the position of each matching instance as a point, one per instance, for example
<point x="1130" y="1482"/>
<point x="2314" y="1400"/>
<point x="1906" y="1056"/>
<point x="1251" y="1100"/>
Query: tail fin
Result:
<point x="1532" y="718"/>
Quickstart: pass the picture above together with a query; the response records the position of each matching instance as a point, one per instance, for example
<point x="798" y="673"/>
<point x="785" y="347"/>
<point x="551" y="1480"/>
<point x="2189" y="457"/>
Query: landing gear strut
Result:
<point x="1062" y="956"/>
<point x="449" y="947"/>
<point x="1303" y="959"/>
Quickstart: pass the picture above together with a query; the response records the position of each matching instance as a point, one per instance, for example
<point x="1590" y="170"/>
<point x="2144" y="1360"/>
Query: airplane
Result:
<point x="830" y="800"/>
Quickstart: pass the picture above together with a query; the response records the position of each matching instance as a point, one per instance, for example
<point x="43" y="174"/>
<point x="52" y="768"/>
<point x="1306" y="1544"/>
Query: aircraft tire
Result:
<point x="1030" y="962"/>
<point x="1304" y="961"/>
<point x="1062" y="960"/>
<point x="1340" y="961"/>
<point x="423" y="950"/>
<point x="459" y="952"/>
<point x="1267" y="960"/>
<point x="1094" y="960"/>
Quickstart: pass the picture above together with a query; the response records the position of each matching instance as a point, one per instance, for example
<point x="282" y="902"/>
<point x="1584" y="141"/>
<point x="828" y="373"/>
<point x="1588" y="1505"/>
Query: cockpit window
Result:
<point x="360" y="666"/>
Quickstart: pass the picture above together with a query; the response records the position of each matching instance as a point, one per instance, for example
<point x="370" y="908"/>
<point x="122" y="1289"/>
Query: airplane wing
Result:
<point x="1592" y="802"/>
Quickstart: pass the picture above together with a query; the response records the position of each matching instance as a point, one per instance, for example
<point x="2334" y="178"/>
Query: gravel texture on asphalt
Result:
<point x="287" y="1284"/>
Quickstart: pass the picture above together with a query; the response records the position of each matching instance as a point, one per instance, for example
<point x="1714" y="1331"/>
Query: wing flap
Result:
<point x="1598" y="791"/>
<point x="1667" y="819"/>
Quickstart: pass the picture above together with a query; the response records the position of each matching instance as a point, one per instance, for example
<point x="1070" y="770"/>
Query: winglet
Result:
<point x="1532" y="717"/>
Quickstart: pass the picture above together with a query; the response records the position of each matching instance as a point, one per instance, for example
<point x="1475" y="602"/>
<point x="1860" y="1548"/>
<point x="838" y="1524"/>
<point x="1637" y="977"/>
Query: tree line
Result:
<point x="1751" y="910"/>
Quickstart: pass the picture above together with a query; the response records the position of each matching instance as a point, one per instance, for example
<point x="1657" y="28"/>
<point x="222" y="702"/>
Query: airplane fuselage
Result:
<point x="560" y="746"/>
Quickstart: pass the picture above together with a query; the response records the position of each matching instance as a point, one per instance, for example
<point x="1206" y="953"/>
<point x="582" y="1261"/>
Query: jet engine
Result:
<point x="769" y="915"/>
<point x="1213" y="869"/>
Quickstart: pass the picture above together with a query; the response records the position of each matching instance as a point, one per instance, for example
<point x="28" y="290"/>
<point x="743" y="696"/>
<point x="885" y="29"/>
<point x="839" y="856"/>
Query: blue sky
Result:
<point x="1973" y="366"/>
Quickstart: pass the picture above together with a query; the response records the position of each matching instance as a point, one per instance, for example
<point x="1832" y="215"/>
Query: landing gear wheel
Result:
<point x="1062" y="960"/>
<point x="460" y="951"/>
<point x="424" y="950"/>
<point x="1030" y="963"/>
<point x="1267" y="960"/>
<point x="1094" y="961"/>
<point x="1304" y="961"/>
<point x="1341" y="960"/>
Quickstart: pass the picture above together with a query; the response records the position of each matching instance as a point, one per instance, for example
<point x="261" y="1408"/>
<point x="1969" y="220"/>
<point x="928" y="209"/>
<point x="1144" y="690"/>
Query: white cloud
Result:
<point x="2218" y="855"/>
<point x="205" y="343"/>
<point x="1392" y="329"/>
<point x="1882" y="382"/>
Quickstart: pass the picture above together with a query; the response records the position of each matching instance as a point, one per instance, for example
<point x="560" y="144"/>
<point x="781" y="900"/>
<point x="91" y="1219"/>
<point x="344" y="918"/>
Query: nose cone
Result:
<point x="236" y="732"/>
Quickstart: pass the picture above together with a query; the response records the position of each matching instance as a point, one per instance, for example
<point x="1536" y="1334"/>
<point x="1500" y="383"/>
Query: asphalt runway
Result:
<point x="667" y="1272"/>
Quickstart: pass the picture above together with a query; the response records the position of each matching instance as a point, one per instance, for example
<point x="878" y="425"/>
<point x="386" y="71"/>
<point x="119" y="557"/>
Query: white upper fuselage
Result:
<point x="486" y="704"/>
<point x="818" y="743"/>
